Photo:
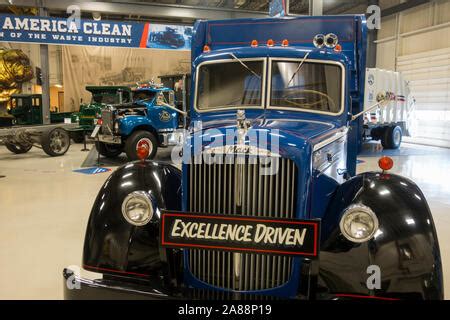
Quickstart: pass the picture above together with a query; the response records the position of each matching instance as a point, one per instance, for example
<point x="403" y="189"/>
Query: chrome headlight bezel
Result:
<point x="350" y="213"/>
<point x="319" y="40"/>
<point x="145" y="198"/>
<point x="334" y="40"/>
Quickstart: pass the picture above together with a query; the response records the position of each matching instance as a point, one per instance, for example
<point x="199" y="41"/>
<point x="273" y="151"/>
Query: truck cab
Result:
<point x="27" y="110"/>
<point x="101" y="96"/>
<point x="268" y="203"/>
<point x="151" y="117"/>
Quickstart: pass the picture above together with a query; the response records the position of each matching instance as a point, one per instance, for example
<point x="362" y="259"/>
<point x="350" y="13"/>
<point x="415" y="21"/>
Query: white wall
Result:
<point x="417" y="43"/>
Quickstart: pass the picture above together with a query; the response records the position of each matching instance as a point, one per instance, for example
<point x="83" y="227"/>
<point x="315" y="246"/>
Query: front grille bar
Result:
<point x="240" y="188"/>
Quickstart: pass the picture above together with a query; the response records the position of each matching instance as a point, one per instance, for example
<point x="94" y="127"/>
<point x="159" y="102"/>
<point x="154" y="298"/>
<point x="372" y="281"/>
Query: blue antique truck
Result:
<point x="151" y="118"/>
<point x="287" y="216"/>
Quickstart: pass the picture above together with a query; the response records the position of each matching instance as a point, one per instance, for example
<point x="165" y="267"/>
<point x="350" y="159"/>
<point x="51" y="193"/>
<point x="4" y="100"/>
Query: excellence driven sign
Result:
<point x="240" y="233"/>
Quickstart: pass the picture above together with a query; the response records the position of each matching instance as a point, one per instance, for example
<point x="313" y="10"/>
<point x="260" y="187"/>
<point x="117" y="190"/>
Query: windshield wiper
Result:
<point x="298" y="68"/>
<point x="244" y="65"/>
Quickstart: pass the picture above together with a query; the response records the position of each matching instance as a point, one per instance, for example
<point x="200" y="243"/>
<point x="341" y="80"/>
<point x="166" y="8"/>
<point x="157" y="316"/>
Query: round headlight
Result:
<point x="137" y="208"/>
<point x="358" y="223"/>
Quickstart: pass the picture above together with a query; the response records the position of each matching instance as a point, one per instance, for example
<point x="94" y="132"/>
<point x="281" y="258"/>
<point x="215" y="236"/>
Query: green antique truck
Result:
<point x="26" y="109"/>
<point x="101" y="96"/>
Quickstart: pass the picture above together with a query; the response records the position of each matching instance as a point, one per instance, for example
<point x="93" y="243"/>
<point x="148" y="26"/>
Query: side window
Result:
<point x="169" y="97"/>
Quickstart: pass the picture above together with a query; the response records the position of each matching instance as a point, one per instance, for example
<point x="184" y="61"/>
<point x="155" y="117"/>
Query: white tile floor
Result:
<point x="44" y="207"/>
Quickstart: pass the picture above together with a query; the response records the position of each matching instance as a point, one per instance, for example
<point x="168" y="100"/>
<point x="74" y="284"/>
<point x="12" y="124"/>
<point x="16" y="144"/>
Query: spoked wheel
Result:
<point x="18" y="148"/>
<point x="55" y="142"/>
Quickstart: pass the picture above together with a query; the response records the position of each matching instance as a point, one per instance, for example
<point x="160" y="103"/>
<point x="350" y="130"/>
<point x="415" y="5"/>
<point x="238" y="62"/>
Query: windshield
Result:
<point x="145" y="95"/>
<point x="109" y="98"/>
<point x="230" y="84"/>
<point x="315" y="86"/>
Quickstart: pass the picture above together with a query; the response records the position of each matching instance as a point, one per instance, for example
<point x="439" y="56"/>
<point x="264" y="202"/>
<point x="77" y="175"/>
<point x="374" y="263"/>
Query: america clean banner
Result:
<point x="51" y="30"/>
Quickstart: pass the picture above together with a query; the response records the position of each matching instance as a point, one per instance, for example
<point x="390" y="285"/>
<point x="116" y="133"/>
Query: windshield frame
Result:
<point x="298" y="60"/>
<point x="263" y="60"/>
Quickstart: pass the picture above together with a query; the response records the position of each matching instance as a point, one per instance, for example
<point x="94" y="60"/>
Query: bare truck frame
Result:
<point x="54" y="139"/>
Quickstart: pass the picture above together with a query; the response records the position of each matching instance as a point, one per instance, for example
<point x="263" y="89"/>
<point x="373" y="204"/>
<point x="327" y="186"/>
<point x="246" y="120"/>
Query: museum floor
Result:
<point x="45" y="207"/>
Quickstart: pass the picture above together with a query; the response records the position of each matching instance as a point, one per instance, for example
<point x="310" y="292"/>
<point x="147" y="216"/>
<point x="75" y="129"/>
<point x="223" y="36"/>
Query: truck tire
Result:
<point x="78" y="136"/>
<point x="108" y="150"/>
<point x="135" y="139"/>
<point x="55" y="141"/>
<point x="392" y="137"/>
<point x="18" y="148"/>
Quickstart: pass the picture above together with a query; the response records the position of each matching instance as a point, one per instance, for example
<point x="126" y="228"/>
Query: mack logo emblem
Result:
<point x="164" y="116"/>
<point x="241" y="149"/>
<point x="240" y="233"/>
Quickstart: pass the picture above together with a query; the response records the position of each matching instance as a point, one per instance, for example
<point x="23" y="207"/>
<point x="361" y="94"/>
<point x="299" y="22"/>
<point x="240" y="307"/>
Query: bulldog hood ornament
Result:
<point x="242" y="126"/>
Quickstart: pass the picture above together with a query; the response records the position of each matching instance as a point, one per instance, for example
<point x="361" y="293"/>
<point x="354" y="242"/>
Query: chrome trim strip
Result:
<point x="342" y="133"/>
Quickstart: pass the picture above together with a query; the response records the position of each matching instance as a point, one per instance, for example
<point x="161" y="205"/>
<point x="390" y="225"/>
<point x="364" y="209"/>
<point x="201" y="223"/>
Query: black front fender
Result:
<point x="114" y="246"/>
<point x="405" y="248"/>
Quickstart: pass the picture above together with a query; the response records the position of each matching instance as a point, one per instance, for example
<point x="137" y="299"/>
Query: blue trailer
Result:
<point x="285" y="217"/>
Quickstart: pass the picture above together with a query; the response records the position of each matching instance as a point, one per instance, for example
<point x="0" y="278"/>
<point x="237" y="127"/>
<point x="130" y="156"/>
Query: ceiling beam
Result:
<point x="402" y="7"/>
<point x="143" y="9"/>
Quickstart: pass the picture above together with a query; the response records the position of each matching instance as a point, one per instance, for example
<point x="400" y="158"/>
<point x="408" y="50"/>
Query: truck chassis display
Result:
<point x="54" y="139"/>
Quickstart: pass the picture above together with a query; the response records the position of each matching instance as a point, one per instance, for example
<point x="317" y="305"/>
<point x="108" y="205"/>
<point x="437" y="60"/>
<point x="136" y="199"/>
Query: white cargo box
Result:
<point x="398" y="110"/>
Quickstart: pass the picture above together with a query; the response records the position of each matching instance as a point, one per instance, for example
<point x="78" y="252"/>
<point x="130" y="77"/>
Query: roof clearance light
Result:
<point x="206" y="49"/>
<point x="270" y="43"/>
<point x="285" y="43"/>
<point x="385" y="163"/>
<point x="331" y="40"/>
<point x="319" y="40"/>
<point x="338" y="48"/>
<point x="254" y="43"/>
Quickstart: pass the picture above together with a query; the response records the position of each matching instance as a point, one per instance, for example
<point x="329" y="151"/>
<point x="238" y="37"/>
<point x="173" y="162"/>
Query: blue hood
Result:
<point x="292" y="133"/>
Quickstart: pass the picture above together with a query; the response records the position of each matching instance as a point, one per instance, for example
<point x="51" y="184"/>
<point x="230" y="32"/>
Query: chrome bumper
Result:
<point x="106" y="138"/>
<point x="77" y="288"/>
<point x="170" y="138"/>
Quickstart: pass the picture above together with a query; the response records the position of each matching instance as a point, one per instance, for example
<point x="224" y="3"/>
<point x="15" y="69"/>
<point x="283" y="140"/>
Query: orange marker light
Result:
<point x="338" y="48"/>
<point x="206" y="48"/>
<point x="254" y="43"/>
<point x="143" y="150"/>
<point x="285" y="43"/>
<point x="99" y="122"/>
<point x="270" y="43"/>
<point x="385" y="163"/>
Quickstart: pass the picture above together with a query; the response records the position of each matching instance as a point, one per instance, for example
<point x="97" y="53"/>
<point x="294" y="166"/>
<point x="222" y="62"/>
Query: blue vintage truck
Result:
<point x="286" y="217"/>
<point x="151" y="118"/>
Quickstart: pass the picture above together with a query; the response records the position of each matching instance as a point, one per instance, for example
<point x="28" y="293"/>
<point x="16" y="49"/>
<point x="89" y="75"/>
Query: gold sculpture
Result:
<point x="15" y="69"/>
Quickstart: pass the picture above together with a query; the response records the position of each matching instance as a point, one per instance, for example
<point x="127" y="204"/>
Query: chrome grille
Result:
<point x="107" y="121"/>
<point x="239" y="188"/>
